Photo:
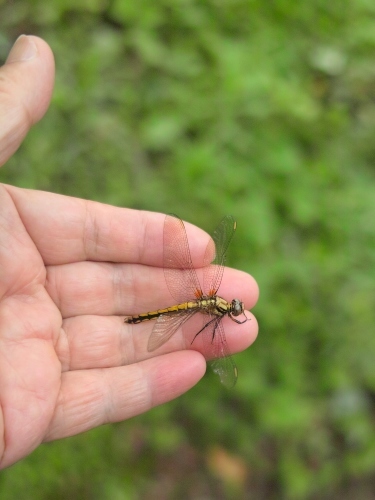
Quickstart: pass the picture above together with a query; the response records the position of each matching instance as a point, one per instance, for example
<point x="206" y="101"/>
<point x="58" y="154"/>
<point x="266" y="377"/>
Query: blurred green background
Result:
<point x="263" y="110"/>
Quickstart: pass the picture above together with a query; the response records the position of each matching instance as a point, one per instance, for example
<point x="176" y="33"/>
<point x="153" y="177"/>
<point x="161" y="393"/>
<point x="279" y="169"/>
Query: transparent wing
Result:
<point x="180" y="275"/>
<point x="214" y="259"/>
<point x="166" y="325"/>
<point x="217" y="352"/>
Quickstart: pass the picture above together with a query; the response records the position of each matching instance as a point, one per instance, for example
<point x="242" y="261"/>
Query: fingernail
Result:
<point x="24" y="49"/>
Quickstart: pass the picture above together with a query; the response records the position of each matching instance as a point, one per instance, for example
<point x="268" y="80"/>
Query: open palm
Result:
<point x="70" y="270"/>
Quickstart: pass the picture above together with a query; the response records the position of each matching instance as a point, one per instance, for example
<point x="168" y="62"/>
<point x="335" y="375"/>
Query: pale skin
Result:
<point x="70" y="271"/>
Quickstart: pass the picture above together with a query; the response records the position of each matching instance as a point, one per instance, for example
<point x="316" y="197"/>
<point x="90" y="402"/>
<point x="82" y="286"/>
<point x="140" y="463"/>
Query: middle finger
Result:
<point x="92" y="341"/>
<point x="121" y="289"/>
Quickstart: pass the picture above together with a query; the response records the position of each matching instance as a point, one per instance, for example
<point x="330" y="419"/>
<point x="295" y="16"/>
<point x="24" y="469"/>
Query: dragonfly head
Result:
<point x="237" y="307"/>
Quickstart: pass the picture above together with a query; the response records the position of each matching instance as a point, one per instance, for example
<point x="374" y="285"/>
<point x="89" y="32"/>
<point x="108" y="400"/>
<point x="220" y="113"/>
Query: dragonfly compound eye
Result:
<point x="237" y="307"/>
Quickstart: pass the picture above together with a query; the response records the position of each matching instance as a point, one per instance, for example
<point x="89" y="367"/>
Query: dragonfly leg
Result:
<point x="201" y="330"/>
<point x="238" y="321"/>
<point x="214" y="330"/>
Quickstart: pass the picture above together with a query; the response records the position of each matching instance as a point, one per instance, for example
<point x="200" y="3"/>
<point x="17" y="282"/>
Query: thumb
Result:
<point x="26" y="83"/>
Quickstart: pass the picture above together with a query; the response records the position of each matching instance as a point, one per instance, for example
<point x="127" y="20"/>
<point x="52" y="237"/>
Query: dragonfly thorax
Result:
<point x="218" y="306"/>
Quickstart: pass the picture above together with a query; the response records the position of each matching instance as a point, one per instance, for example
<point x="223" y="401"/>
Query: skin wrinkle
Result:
<point x="64" y="350"/>
<point x="41" y="270"/>
<point x="105" y="389"/>
<point x="95" y="231"/>
<point x="133" y="287"/>
<point x="58" y="414"/>
<point x="124" y="341"/>
<point x="140" y="399"/>
<point x="37" y="397"/>
<point x="93" y="398"/>
<point x="108" y="346"/>
<point x="117" y="285"/>
<point x="105" y="349"/>
<point x="10" y="104"/>
<point x="144" y="397"/>
<point x="15" y="129"/>
<point x="90" y="232"/>
<point x="108" y="407"/>
<point x="98" y="395"/>
<point x="118" y="290"/>
<point x="85" y="231"/>
<point x="142" y="252"/>
<point x="23" y="293"/>
<point x="132" y="294"/>
<point x="50" y="285"/>
<point x="34" y="413"/>
<point x="6" y="88"/>
<point x="58" y="407"/>
<point x="6" y="219"/>
<point x="26" y="112"/>
<point x="143" y="247"/>
<point x="152" y="398"/>
<point x="7" y="95"/>
<point x="55" y="277"/>
<point x="34" y="300"/>
<point x="30" y="291"/>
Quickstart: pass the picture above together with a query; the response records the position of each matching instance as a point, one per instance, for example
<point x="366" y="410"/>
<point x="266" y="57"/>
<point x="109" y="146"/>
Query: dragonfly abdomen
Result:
<point x="207" y="305"/>
<point x="138" y="318"/>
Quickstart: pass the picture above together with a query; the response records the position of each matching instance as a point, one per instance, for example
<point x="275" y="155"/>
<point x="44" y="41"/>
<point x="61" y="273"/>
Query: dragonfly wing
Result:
<point x="166" y="325"/>
<point x="218" y="354"/>
<point x="214" y="259"/>
<point x="179" y="272"/>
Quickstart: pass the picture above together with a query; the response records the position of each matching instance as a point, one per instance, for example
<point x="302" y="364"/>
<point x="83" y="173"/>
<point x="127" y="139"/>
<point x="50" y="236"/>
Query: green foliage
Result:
<point x="260" y="109"/>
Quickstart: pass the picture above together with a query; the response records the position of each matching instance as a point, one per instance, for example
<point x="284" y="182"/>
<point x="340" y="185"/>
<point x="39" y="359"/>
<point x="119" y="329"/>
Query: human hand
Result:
<point x="70" y="271"/>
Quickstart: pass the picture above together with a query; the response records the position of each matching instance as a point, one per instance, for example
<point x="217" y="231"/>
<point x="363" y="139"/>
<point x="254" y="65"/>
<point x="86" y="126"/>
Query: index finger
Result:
<point x="67" y="230"/>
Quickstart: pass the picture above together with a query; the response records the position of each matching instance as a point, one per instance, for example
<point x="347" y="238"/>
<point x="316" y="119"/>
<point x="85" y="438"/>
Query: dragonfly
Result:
<point x="192" y="298"/>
